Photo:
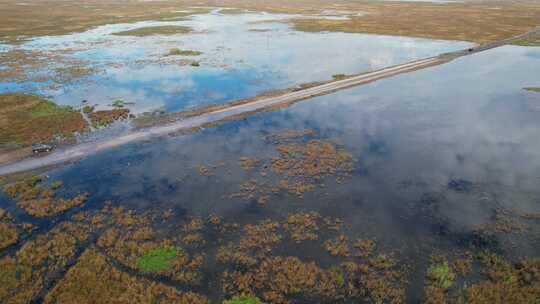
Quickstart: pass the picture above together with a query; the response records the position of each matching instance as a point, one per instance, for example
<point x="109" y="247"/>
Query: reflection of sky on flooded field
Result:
<point x="237" y="62"/>
<point x="414" y="136"/>
<point x="438" y="150"/>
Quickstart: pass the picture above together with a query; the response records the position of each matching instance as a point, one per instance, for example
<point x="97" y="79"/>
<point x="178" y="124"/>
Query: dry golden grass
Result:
<point x="476" y="22"/>
<point x="56" y="17"/>
<point x="107" y="117"/>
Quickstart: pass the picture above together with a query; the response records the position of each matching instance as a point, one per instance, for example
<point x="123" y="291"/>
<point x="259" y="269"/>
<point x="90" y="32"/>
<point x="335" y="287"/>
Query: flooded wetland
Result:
<point x="418" y="188"/>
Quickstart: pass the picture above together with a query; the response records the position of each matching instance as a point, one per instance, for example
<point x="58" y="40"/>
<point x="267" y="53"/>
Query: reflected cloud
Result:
<point x="236" y="62"/>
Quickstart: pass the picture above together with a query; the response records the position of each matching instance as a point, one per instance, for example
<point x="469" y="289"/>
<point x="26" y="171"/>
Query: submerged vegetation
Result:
<point x="156" y="30"/>
<point x="179" y="52"/>
<point x="40" y="201"/>
<point x="49" y="68"/>
<point x="301" y="166"/>
<point x="9" y="233"/>
<point x="506" y="282"/>
<point x="145" y="257"/>
<point x="270" y="247"/>
<point x="94" y="280"/>
<point x="502" y="281"/>
<point x="27" y="118"/>
<point x="24" y="274"/>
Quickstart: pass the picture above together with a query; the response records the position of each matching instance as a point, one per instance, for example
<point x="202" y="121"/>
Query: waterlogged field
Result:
<point x="418" y="188"/>
<point x="208" y="56"/>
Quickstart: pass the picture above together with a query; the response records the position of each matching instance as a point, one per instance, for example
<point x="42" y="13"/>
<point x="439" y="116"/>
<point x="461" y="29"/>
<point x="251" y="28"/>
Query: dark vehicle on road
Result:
<point x="40" y="148"/>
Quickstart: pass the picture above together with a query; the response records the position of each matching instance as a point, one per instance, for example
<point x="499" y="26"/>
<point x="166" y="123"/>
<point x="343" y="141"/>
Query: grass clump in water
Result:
<point x="88" y="109"/>
<point x="179" y="52"/>
<point x="441" y="275"/>
<point x="41" y="201"/>
<point x="337" y="275"/>
<point x="156" y="30"/>
<point x="93" y="279"/>
<point x="533" y="89"/>
<point x="106" y="117"/>
<point x="158" y="259"/>
<point x="8" y="232"/>
<point x="339" y="76"/>
<point x="243" y="300"/>
<point x="120" y="103"/>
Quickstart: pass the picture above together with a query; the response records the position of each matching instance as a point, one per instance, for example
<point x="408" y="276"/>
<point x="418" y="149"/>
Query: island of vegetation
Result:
<point x="179" y="52"/>
<point x="155" y="30"/>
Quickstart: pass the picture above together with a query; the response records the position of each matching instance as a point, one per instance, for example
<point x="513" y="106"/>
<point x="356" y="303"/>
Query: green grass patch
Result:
<point x="48" y="108"/>
<point x="338" y="276"/>
<point x="441" y="275"/>
<point x="56" y="185"/>
<point x="158" y="259"/>
<point x="118" y="103"/>
<point x="179" y="52"/>
<point x="156" y="30"/>
<point x="243" y="300"/>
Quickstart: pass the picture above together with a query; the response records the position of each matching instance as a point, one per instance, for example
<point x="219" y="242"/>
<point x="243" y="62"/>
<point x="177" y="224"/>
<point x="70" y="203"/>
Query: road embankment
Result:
<point x="234" y="110"/>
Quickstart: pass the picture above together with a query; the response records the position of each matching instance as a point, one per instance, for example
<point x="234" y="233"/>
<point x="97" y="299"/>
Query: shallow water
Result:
<point x="437" y="151"/>
<point x="243" y="55"/>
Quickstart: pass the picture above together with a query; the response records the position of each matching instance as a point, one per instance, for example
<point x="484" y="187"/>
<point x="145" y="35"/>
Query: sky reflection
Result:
<point x="237" y="62"/>
<point x="413" y="136"/>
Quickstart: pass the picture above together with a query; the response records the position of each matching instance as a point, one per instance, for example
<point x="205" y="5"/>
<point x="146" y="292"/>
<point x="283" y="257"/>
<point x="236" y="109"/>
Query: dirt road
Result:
<point x="82" y="150"/>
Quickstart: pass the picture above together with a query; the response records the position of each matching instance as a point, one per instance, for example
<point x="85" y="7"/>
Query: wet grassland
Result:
<point x="112" y="253"/>
<point x="26" y="119"/>
<point x="291" y="242"/>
